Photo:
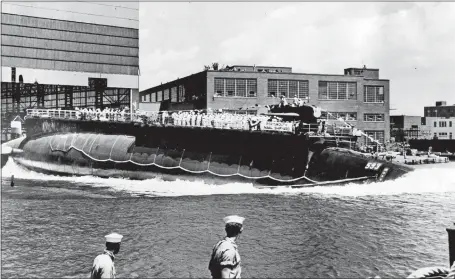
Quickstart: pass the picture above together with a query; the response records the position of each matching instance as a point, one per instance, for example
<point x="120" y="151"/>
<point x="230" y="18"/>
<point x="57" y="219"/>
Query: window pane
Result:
<point x="272" y="88"/>
<point x="380" y="117"/>
<point x="241" y="87"/>
<point x="352" y="116"/>
<point x="303" y="89"/>
<point x="174" y="94"/>
<point x="219" y="86"/>
<point x="322" y="90"/>
<point x="283" y="88"/>
<point x="153" y="97"/>
<point x="351" y="90"/>
<point x="342" y="91"/>
<point x="230" y="87"/>
<point x="182" y="93"/>
<point x="333" y="90"/>
<point x="293" y="88"/>
<point x="380" y="94"/>
<point x="252" y="87"/>
<point x="159" y="96"/>
<point x="166" y="95"/>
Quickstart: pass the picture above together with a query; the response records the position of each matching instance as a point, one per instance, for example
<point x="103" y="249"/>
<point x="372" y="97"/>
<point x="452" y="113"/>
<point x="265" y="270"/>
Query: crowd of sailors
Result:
<point x="219" y="119"/>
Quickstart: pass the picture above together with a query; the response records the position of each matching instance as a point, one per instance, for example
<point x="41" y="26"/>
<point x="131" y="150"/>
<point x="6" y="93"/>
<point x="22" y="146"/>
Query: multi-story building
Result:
<point x="68" y="54"/>
<point x="441" y="110"/>
<point x="359" y="96"/>
<point x="440" y="121"/>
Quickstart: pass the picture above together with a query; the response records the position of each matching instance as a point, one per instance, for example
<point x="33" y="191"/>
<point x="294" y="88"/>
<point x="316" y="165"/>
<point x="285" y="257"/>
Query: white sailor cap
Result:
<point x="233" y="219"/>
<point x="114" y="238"/>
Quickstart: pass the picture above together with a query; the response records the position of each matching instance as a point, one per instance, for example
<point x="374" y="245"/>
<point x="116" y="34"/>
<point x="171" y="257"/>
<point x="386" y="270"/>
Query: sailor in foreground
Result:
<point x="103" y="265"/>
<point x="225" y="260"/>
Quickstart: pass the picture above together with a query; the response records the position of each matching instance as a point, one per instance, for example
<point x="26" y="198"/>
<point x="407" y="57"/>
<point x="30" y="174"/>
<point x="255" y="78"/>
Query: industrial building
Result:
<point x="440" y="120"/>
<point x="359" y="96"/>
<point x="403" y="127"/>
<point x="68" y="54"/>
<point x="438" y="123"/>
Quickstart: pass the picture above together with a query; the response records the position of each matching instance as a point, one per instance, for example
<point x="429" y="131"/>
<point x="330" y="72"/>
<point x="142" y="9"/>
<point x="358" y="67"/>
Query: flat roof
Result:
<point x="261" y="66"/>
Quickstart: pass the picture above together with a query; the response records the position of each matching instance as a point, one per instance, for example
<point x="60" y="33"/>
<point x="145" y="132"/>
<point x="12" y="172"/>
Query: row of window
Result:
<point x="175" y="95"/>
<point x="235" y="87"/>
<point x="288" y="88"/>
<point x="337" y="90"/>
<point x="352" y="116"/>
<point x="442" y="124"/>
<point x="243" y="87"/>
<point x="80" y="99"/>
<point x="444" y="135"/>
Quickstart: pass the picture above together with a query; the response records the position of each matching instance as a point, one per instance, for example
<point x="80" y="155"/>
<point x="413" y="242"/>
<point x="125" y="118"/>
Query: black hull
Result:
<point x="68" y="147"/>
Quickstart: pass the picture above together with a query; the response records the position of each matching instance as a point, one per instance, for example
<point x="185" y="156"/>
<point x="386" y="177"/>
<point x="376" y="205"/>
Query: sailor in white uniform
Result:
<point x="103" y="265"/>
<point x="225" y="259"/>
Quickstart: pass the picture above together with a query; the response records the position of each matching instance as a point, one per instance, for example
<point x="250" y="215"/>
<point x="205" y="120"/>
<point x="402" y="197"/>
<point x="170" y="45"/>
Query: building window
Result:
<point x="435" y="124"/>
<point x="272" y="88"/>
<point x="182" y="93"/>
<point x="241" y="88"/>
<point x="450" y="123"/>
<point x="329" y="90"/>
<point x="346" y="116"/>
<point x="174" y="94"/>
<point x="376" y="135"/>
<point x="159" y="96"/>
<point x="166" y="95"/>
<point x="283" y="88"/>
<point x="288" y="88"/>
<point x="147" y="98"/>
<point x="373" y="94"/>
<point x="442" y="124"/>
<point x="230" y="87"/>
<point x="219" y="86"/>
<point x="252" y="87"/>
<point x="153" y="97"/>
<point x="304" y="92"/>
<point x="373" y="117"/>
<point x="143" y="98"/>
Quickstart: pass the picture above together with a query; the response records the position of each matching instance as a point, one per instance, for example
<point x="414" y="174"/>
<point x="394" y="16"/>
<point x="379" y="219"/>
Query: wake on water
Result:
<point x="438" y="178"/>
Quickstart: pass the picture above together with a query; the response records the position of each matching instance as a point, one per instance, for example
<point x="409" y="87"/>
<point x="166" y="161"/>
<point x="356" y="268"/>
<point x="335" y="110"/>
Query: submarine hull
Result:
<point x="69" y="147"/>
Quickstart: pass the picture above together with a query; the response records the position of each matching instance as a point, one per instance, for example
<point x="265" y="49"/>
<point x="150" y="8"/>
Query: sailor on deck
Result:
<point x="225" y="259"/>
<point x="103" y="265"/>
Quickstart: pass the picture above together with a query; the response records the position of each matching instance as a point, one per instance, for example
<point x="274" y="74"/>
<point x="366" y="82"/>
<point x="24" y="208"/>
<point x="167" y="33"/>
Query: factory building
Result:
<point x="68" y="54"/>
<point x="358" y="96"/>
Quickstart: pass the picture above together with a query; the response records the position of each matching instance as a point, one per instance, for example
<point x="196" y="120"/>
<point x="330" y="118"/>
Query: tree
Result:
<point x="215" y="66"/>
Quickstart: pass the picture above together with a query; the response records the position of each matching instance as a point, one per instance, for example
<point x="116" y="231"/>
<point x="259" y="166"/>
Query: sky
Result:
<point x="413" y="44"/>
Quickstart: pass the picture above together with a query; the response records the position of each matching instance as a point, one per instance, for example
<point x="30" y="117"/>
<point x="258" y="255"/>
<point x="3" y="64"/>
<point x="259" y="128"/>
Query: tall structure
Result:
<point x="359" y="96"/>
<point x="440" y="120"/>
<point x="68" y="54"/>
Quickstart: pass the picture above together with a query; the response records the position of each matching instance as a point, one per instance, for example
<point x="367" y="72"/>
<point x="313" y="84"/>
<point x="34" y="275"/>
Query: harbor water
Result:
<point x="54" y="226"/>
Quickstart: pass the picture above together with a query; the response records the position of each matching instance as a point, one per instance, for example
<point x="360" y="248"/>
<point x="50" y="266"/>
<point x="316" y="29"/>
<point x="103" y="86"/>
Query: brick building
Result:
<point x="441" y="109"/>
<point x="359" y="95"/>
